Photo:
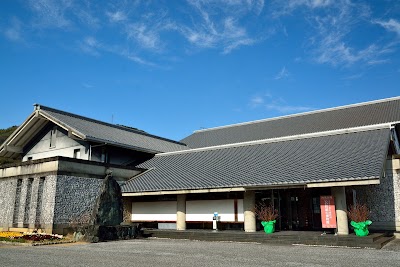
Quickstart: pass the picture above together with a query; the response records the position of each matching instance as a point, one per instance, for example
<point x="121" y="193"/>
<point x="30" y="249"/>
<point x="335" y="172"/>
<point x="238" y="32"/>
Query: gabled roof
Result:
<point x="385" y="111"/>
<point x="86" y="129"/>
<point x="331" y="157"/>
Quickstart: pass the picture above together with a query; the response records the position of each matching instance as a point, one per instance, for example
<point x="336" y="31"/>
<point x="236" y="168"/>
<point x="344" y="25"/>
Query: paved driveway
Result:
<point x="170" y="253"/>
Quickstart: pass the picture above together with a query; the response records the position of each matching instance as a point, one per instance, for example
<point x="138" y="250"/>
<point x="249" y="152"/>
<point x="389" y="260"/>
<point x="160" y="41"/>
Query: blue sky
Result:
<point x="172" y="67"/>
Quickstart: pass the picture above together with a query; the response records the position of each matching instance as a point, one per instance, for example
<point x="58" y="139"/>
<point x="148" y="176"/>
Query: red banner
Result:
<point x="328" y="212"/>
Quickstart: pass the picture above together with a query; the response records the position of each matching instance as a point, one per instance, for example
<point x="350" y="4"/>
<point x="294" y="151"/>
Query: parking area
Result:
<point x="168" y="252"/>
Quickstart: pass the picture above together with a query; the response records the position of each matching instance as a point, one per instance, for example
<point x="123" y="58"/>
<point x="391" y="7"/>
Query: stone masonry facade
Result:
<point x="383" y="200"/>
<point x="50" y="202"/>
<point x="28" y="202"/>
<point x="75" y="199"/>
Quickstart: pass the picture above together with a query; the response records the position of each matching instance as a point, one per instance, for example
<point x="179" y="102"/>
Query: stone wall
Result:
<point x="7" y="192"/>
<point x="27" y="202"/>
<point x="383" y="200"/>
<point x="75" y="199"/>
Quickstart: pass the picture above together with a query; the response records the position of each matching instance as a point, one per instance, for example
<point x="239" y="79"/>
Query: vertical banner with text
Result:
<point x="328" y="212"/>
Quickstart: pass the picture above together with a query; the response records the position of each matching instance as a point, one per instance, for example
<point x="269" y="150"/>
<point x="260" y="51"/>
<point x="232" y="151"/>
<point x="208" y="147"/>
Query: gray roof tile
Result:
<point x="95" y="130"/>
<point x="341" y="157"/>
<point x="376" y="112"/>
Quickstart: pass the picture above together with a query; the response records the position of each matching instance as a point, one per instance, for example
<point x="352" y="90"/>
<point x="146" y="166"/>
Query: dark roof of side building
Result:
<point x="363" y="114"/>
<point x="89" y="130"/>
<point x="114" y="134"/>
<point x="333" y="157"/>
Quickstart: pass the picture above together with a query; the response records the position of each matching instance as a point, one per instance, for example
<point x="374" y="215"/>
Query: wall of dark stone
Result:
<point x="383" y="200"/>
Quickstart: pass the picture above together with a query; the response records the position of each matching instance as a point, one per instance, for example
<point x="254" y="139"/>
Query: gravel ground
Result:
<point x="393" y="246"/>
<point x="170" y="253"/>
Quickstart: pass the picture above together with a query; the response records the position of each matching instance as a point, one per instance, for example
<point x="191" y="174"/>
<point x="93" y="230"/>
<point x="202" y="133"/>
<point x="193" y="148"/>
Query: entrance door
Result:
<point x="296" y="209"/>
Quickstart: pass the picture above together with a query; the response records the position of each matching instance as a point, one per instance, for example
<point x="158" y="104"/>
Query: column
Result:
<point x="339" y="194"/>
<point x="181" y="212"/>
<point x="127" y="213"/>
<point x="249" y="203"/>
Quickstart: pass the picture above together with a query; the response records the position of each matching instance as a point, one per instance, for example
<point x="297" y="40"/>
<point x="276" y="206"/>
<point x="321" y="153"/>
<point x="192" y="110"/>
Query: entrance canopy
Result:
<point x="354" y="156"/>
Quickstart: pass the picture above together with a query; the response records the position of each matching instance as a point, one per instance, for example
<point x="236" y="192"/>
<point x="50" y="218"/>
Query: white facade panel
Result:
<point x="240" y="210"/>
<point x="203" y="210"/>
<point x="154" y="211"/>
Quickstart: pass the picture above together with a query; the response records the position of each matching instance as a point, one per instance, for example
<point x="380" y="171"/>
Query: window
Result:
<point x="105" y="157"/>
<point x="53" y="137"/>
<point x="29" y="158"/>
<point x="77" y="153"/>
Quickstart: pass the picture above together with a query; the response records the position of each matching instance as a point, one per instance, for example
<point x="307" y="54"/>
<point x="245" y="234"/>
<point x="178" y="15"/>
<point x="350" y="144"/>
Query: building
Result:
<point x="64" y="159"/>
<point x="350" y="152"/>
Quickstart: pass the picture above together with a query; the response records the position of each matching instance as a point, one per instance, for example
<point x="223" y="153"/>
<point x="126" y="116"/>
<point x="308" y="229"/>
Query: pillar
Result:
<point x="249" y="203"/>
<point x="339" y="194"/>
<point x="181" y="212"/>
<point x="127" y="209"/>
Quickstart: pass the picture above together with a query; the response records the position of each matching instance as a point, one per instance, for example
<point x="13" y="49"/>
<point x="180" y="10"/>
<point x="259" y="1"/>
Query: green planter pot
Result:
<point x="361" y="228"/>
<point x="269" y="227"/>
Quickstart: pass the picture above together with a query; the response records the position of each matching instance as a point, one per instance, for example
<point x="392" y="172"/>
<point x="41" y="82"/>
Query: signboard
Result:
<point x="328" y="212"/>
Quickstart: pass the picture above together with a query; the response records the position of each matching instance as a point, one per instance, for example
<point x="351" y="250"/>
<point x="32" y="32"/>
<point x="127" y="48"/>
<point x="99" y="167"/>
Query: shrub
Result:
<point x="266" y="212"/>
<point x="358" y="212"/>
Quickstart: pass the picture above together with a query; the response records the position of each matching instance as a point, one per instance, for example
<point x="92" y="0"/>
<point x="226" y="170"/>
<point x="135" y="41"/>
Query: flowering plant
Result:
<point x="28" y="236"/>
<point x="10" y="235"/>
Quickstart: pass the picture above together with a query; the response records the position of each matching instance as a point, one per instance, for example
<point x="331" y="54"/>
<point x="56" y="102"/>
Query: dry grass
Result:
<point x="358" y="212"/>
<point x="266" y="212"/>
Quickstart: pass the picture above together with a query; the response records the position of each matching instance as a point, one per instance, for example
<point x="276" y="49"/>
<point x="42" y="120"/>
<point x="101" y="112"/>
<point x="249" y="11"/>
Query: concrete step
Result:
<point x="375" y="240"/>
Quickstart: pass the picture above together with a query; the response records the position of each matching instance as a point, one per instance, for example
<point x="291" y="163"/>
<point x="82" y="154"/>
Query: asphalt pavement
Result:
<point x="170" y="253"/>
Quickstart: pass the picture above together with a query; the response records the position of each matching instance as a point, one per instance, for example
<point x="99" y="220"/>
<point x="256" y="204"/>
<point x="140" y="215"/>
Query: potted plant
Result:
<point x="358" y="215"/>
<point x="267" y="214"/>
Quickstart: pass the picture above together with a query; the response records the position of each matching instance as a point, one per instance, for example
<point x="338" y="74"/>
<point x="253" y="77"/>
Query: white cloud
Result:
<point x="283" y="73"/>
<point x="277" y="104"/>
<point x="218" y="24"/>
<point x="87" y="85"/>
<point x="86" y="17"/>
<point x="92" y="46"/>
<point x="377" y="61"/>
<point x="14" y="31"/>
<point x="51" y="14"/>
<point x="354" y="76"/>
<point x="288" y="6"/>
<point x="332" y="43"/>
<point x="390" y="25"/>
<point x="256" y="101"/>
<point x="287" y="109"/>
<point x="333" y="26"/>
<point x="146" y="37"/>
<point x="117" y="16"/>
<point x="147" y="26"/>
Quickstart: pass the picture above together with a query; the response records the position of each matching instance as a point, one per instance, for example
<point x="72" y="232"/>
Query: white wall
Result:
<point x="154" y="211"/>
<point x="196" y="210"/>
<point x="240" y="210"/>
<point x="64" y="147"/>
<point x="203" y="210"/>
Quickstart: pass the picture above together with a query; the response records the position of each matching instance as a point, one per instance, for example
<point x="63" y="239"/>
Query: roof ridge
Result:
<point x="124" y="128"/>
<point x="282" y="139"/>
<point x="301" y="114"/>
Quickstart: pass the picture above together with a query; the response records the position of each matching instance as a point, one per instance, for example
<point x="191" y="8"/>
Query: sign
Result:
<point x="328" y="212"/>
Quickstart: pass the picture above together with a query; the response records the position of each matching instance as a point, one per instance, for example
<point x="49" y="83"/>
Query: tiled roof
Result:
<point x="339" y="157"/>
<point x="99" y="131"/>
<point x="369" y="113"/>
